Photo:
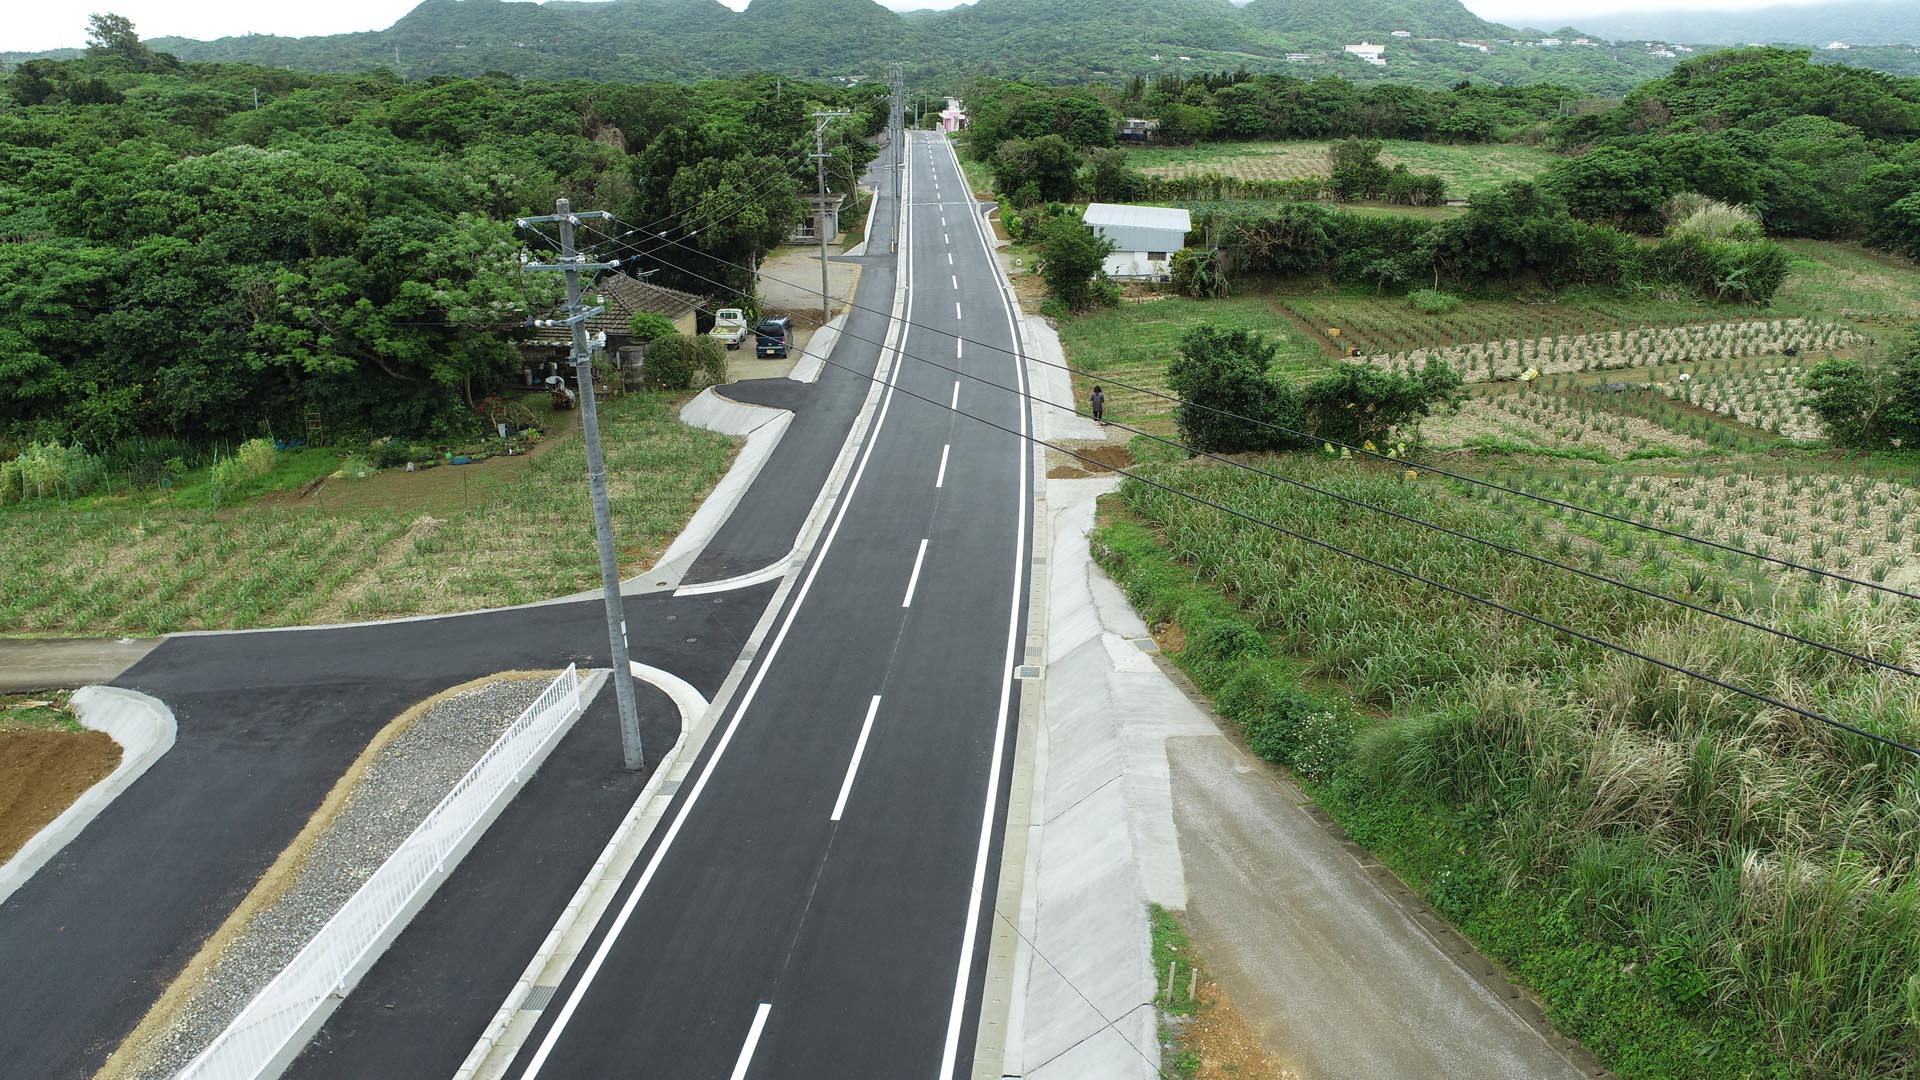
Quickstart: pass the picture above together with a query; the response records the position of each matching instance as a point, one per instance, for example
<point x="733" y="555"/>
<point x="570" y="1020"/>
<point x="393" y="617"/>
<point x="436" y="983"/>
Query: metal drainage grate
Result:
<point x="1027" y="671"/>
<point x="538" y="998"/>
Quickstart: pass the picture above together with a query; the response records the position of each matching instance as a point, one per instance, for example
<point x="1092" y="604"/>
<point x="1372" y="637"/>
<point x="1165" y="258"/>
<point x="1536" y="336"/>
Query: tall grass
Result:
<point x="204" y="555"/>
<point x="1756" y="864"/>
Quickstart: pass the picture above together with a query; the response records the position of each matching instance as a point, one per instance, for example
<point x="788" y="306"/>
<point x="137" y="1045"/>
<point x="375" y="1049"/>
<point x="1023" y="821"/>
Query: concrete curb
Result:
<point x="285" y="1056"/>
<point x="763" y="428"/>
<point x="634" y="828"/>
<point x="813" y="358"/>
<point x="144" y="728"/>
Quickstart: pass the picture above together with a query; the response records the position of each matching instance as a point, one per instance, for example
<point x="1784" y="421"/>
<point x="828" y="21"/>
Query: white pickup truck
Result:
<point x="729" y="327"/>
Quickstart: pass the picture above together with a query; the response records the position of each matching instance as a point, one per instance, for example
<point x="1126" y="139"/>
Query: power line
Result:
<point x="1382" y="456"/>
<point x="1410" y="519"/>
<point x="1412" y="575"/>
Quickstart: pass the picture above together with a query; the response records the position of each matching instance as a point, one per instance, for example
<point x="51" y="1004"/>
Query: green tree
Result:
<point x="1227" y="394"/>
<point x="1360" y="402"/>
<point x="1048" y="162"/>
<point x="1072" y="261"/>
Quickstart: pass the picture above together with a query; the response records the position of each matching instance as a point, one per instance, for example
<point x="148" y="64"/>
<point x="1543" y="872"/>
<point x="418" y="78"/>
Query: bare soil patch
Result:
<point x="43" y="767"/>
<point x="1227" y="1046"/>
<point x="1106" y="457"/>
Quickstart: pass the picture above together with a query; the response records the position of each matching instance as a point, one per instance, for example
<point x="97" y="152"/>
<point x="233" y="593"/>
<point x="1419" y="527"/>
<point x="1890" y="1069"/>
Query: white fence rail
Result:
<point x="271" y="1026"/>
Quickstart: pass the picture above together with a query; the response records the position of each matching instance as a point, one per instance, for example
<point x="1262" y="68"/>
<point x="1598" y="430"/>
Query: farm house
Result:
<point x="1144" y="238"/>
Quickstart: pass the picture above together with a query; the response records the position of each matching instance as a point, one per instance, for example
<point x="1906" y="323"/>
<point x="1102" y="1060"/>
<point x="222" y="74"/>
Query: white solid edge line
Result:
<point x="940" y="481"/>
<point x="753" y="1040"/>
<point x="914" y="580"/>
<point x="853" y="766"/>
<point x="746" y="701"/>
<point x="956" y="1018"/>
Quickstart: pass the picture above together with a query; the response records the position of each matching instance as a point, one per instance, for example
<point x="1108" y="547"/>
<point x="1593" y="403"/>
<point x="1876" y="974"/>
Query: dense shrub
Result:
<point x="1197" y="272"/>
<point x="1072" y="262"/>
<point x="1432" y="301"/>
<point x="647" y="325"/>
<point x="1873" y="403"/>
<point x="1360" y="402"/>
<point x="678" y="362"/>
<point x="1227" y="394"/>
<point x="1738" y="271"/>
<point x="45" y="470"/>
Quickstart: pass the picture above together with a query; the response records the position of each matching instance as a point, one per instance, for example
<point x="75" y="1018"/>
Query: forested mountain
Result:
<point x="1375" y="19"/>
<point x="1057" y="41"/>
<point x="1854" y="22"/>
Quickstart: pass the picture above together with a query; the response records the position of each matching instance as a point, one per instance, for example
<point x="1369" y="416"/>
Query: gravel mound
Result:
<point x="410" y="775"/>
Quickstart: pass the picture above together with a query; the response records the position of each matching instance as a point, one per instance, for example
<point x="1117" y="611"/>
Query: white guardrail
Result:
<point x="332" y="962"/>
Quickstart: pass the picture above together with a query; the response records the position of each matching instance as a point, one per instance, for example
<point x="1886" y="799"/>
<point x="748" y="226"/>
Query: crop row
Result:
<point x="1487" y="361"/>
<point x="1772" y="398"/>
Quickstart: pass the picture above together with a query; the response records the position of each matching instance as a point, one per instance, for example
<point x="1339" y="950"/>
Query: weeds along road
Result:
<point x="813" y="904"/>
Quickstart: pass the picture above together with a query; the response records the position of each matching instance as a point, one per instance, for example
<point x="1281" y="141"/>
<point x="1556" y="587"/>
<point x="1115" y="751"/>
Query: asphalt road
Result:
<point x="267" y="723"/>
<point x="813" y="905"/>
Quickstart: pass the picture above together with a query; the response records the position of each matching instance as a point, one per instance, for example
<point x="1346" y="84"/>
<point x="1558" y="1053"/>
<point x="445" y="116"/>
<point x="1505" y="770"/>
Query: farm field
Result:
<point x="507" y="531"/>
<point x="1630" y="841"/>
<point x="1131" y="344"/>
<point x="1465" y="168"/>
<point x="1662" y="859"/>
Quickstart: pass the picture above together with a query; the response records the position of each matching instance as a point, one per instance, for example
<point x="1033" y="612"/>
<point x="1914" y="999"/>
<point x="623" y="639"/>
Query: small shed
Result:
<point x="1135" y="129"/>
<point x="1144" y="238"/>
<point x="815" y="209"/>
<point x="549" y="351"/>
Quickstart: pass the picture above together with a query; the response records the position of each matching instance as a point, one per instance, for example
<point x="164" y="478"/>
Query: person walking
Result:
<point x="1099" y="403"/>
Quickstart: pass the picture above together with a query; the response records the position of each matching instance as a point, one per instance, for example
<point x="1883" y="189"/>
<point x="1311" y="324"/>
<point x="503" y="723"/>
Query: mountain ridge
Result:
<point x="1059" y="41"/>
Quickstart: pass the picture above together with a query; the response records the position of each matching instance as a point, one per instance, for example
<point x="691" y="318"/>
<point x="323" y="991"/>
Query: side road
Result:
<point x="1141" y="798"/>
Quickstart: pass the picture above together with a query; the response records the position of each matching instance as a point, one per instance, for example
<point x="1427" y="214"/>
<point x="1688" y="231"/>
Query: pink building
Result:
<point x="951" y="118"/>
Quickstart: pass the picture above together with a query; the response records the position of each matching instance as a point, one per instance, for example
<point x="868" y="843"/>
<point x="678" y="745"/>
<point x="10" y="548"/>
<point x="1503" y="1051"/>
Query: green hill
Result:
<point x="1058" y="41"/>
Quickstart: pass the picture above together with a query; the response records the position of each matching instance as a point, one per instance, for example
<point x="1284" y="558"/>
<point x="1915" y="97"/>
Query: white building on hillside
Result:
<point x="1372" y="54"/>
<point x="1144" y="238"/>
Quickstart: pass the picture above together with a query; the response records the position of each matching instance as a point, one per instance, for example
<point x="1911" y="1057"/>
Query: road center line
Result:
<point x="853" y="767"/>
<point x="956" y="280"/>
<point x="941" y="480"/>
<point x="753" y="1040"/>
<point x="949" y="258"/>
<point x="956" y="309"/>
<point x="956" y="396"/>
<point x="914" y="581"/>
<point x="945" y="239"/>
<point x="957" y="343"/>
<point x="904" y="325"/>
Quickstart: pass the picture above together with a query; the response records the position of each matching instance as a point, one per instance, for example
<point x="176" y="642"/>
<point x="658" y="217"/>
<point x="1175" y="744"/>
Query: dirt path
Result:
<point x="1327" y="965"/>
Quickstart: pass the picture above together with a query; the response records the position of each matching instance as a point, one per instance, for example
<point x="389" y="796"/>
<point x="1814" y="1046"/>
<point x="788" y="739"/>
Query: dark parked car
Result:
<point x="773" y="337"/>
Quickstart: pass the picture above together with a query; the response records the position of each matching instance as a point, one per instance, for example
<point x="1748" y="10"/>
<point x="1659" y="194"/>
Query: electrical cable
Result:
<point x="1380" y="455"/>
<point x="1408" y="518"/>
<point x="1412" y="575"/>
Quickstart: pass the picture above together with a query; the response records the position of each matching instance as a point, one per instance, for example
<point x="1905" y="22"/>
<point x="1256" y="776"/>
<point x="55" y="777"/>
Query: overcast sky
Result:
<point x="38" y="24"/>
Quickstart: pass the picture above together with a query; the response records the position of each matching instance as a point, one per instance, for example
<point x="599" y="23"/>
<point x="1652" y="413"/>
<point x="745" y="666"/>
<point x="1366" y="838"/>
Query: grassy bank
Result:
<point x="505" y="531"/>
<point x="1697" y="885"/>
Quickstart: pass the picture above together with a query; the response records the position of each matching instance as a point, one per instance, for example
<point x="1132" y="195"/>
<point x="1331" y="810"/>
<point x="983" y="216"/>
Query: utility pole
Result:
<point x="820" y="212"/>
<point x="573" y="265"/>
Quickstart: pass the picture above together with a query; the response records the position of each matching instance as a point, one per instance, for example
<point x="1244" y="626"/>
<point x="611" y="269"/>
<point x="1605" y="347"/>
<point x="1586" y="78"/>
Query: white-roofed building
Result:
<point x="1144" y="238"/>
